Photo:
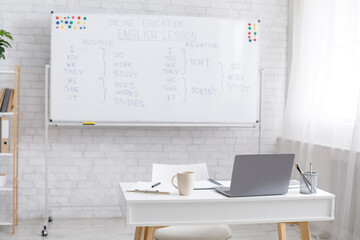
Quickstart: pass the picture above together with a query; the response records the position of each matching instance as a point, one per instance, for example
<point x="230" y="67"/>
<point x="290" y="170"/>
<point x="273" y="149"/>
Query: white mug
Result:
<point x="2" y="179"/>
<point x="185" y="181"/>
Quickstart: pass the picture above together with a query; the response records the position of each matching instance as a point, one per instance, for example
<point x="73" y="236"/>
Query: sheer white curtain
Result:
<point x="322" y="115"/>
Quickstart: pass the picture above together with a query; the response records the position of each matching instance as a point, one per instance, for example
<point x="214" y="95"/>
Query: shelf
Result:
<point x="6" y="154"/>
<point x="2" y="114"/>
<point x="9" y="189"/>
<point x="12" y="186"/>
<point x="6" y="72"/>
<point x="5" y="223"/>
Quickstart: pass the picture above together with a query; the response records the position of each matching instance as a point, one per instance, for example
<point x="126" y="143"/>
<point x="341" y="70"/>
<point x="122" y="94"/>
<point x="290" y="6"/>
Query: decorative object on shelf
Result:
<point x="2" y="179"/>
<point x="4" y="36"/>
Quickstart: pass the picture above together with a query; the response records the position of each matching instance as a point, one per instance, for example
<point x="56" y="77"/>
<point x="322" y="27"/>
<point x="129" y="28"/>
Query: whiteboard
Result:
<point x="153" y="69"/>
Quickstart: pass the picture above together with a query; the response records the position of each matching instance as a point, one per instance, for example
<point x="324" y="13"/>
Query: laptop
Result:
<point x="259" y="175"/>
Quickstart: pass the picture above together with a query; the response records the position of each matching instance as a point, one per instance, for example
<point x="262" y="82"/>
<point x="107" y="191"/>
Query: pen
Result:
<point x="88" y="123"/>
<point x="311" y="177"/>
<point x="306" y="181"/>
<point x="214" y="182"/>
<point x="156" y="184"/>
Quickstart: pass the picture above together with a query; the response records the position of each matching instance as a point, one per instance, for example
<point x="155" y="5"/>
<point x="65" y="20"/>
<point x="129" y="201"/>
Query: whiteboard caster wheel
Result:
<point x="50" y="219"/>
<point x="44" y="232"/>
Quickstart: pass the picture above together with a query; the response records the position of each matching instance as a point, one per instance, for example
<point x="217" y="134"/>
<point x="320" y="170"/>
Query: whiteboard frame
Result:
<point x="154" y="124"/>
<point x="254" y="124"/>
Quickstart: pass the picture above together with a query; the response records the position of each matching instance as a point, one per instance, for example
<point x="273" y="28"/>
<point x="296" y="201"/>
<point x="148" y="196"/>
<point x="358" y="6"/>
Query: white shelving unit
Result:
<point x="14" y="187"/>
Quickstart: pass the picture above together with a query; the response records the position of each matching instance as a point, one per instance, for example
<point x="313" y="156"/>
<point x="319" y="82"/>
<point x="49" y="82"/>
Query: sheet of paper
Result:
<point x="163" y="187"/>
<point x="294" y="184"/>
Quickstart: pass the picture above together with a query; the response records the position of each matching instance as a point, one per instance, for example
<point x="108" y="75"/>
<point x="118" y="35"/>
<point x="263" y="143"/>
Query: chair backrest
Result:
<point x="164" y="172"/>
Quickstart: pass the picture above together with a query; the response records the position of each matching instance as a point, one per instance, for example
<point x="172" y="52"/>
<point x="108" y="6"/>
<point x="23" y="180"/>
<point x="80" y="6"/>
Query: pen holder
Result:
<point x="308" y="185"/>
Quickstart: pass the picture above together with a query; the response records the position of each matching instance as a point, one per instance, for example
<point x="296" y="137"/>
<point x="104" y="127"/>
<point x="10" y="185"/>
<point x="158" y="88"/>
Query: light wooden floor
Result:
<point x="114" y="229"/>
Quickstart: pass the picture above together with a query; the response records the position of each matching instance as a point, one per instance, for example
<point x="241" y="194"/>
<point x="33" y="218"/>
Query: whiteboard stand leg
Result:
<point x="260" y="109"/>
<point x="47" y="217"/>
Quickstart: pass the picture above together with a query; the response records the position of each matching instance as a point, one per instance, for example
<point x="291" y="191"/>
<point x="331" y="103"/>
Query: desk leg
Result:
<point x="281" y="231"/>
<point x="149" y="233"/>
<point x="304" y="231"/>
<point x="139" y="233"/>
<point x="303" y="227"/>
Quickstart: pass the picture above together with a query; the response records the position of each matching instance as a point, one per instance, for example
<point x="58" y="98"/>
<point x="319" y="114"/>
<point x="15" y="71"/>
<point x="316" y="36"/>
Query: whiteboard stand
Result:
<point x="260" y="109"/>
<point x="47" y="216"/>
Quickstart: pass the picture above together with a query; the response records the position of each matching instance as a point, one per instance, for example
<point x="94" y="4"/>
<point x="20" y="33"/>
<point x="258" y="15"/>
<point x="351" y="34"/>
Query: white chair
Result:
<point x="164" y="173"/>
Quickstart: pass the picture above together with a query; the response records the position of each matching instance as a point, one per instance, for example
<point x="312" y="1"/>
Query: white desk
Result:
<point x="210" y="207"/>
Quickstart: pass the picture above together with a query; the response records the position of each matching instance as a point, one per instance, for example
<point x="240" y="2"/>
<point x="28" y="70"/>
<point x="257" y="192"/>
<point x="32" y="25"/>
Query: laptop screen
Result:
<point x="261" y="174"/>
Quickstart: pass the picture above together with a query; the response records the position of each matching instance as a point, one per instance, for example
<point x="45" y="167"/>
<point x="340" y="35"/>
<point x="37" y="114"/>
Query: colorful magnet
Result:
<point x="249" y="40"/>
<point x="254" y="39"/>
<point x="84" y="22"/>
<point x="73" y="17"/>
<point x="75" y="27"/>
<point x="66" y="22"/>
<point x="249" y="28"/>
<point x="57" y="17"/>
<point x="79" y="22"/>
<point x="254" y="28"/>
<point x="84" y="18"/>
<point x="80" y="27"/>
<point x="57" y="22"/>
<point x="62" y="26"/>
<point x="71" y="22"/>
<point x="255" y="33"/>
<point x="249" y="24"/>
<point x="69" y="26"/>
<point x="79" y="17"/>
<point x="249" y="37"/>
<point x="84" y="27"/>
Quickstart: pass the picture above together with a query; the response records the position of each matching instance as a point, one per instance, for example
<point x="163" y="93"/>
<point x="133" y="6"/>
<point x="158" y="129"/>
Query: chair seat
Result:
<point x="196" y="232"/>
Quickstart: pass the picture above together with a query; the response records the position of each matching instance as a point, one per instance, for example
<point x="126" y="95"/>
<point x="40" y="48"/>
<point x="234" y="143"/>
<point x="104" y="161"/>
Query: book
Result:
<point x="6" y="100"/>
<point x="5" y="134"/>
<point x="2" y="95"/>
<point x="10" y="106"/>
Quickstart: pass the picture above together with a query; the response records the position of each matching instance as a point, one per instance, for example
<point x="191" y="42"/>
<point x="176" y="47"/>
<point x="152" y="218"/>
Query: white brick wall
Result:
<point x="87" y="164"/>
